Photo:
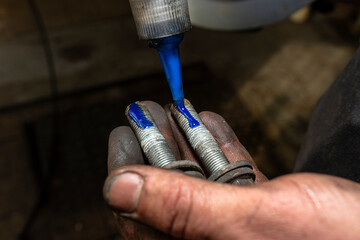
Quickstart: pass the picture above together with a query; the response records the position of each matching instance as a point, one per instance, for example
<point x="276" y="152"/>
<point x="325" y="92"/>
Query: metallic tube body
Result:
<point x="160" y="18"/>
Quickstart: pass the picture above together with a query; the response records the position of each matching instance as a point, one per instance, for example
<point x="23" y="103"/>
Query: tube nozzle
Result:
<point x="160" y="18"/>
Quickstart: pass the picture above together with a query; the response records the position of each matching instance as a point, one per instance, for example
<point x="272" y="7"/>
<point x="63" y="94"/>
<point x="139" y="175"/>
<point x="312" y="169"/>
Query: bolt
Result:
<point x="200" y="139"/>
<point x="207" y="149"/>
<point x="154" y="144"/>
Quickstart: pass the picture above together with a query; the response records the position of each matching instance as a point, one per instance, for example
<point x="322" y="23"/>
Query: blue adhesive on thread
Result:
<point x="192" y="121"/>
<point x="138" y="116"/>
<point x="168" y="49"/>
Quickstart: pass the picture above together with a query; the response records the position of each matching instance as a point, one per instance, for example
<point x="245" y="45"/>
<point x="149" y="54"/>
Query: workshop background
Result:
<point x="68" y="69"/>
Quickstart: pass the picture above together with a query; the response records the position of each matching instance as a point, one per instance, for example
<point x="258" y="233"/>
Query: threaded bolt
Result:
<point x="207" y="149"/>
<point x="151" y="140"/>
<point x="154" y="144"/>
<point x="200" y="139"/>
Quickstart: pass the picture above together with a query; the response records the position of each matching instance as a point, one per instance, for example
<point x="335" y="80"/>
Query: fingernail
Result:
<point x="123" y="192"/>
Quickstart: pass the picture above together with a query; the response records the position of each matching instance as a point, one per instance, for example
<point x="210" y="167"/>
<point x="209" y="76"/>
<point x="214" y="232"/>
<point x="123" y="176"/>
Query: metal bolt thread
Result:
<point x="201" y="140"/>
<point x="152" y="141"/>
<point x="160" y="18"/>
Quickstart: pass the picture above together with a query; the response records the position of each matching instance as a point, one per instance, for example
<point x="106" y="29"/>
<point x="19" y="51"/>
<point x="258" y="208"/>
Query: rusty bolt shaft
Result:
<point x="154" y="144"/>
<point x="201" y="139"/>
<point x="207" y="149"/>
<point x="151" y="140"/>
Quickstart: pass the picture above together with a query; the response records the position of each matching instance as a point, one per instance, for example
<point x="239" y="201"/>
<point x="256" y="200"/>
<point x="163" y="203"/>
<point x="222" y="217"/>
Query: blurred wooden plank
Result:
<point x="283" y="93"/>
<point x="93" y="42"/>
<point x="23" y="70"/>
<point x="15" y="18"/>
<point x="62" y="13"/>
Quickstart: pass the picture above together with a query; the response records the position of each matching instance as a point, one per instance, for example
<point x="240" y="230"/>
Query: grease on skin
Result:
<point x="192" y="121"/>
<point x="138" y="116"/>
<point x="168" y="49"/>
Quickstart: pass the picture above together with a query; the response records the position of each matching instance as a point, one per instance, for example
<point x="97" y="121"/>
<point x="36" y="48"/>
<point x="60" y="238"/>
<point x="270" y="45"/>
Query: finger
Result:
<point x="228" y="141"/>
<point x="124" y="149"/>
<point x="178" y="205"/>
<point x="159" y="116"/>
<point x="225" y="137"/>
<point x="186" y="151"/>
<point x="301" y="206"/>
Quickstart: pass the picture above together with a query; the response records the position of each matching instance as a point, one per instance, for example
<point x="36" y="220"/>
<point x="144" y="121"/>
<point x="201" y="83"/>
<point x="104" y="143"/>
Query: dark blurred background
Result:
<point x="68" y="69"/>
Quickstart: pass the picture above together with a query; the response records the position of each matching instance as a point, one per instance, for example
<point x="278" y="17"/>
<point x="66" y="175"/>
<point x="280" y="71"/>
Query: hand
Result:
<point x="298" y="206"/>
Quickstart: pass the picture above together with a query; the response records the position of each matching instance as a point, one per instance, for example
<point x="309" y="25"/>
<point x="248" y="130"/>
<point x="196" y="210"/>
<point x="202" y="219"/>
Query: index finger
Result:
<point x="124" y="149"/>
<point x="228" y="141"/>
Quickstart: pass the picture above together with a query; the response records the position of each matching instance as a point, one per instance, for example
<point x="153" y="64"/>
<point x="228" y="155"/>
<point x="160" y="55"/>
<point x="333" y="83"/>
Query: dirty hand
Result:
<point x="297" y="206"/>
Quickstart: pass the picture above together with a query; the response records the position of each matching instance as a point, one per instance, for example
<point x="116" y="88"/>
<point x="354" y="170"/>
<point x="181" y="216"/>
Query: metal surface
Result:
<point x="201" y="140"/>
<point x="152" y="141"/>
<point x="156" y="148"/>
<point x="236" y="173"/>
<point x="160" y="18"/>
<point x="210" y="154"/>
<point x="188" y="167"/>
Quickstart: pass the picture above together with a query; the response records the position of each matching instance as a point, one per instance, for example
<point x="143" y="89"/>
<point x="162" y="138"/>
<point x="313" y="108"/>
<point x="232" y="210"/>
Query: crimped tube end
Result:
<point x="158" y="18"/>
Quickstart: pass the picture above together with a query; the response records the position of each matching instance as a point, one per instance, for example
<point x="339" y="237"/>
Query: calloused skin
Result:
<point x="172" y="205"/>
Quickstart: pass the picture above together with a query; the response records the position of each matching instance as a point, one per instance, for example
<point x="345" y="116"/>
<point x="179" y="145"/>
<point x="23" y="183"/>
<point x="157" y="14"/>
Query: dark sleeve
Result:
<point x="332" y="142"/>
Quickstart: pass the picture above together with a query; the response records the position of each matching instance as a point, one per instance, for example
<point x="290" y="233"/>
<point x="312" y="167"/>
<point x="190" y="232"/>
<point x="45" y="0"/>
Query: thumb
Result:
<point x="179" y="205"/>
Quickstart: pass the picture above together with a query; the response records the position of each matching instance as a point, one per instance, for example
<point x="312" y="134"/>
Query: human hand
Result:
<point x="294" y="206"/>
